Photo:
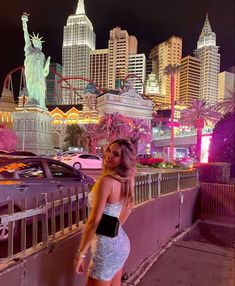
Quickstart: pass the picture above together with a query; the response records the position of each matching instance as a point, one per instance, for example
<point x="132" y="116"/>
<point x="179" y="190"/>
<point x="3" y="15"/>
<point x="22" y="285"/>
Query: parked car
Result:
<point x="28" y="177"/>
<point x="21" y="153"/>
<point x="3" y="152"/>
<point x="83" y="161"/>
<point x="59" y="156"/>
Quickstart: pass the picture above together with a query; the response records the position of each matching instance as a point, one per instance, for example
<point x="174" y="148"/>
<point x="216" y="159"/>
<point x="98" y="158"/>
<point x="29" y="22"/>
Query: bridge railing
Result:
<point x="51" y="219"/>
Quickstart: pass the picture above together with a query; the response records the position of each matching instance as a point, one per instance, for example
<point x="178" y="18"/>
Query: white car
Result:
<point x="83" y="161"/>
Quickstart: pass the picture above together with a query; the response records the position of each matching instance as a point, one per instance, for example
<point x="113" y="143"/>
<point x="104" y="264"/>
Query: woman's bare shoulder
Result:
<point x="105" y="180"/>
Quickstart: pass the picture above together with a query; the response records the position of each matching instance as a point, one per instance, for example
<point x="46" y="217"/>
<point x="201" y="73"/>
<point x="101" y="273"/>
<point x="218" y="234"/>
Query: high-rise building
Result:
<point x="207" y="53"/>
<point x="99" y="67"/>
<point x="136" y="66"/>
<point x="189" y="79"/>
<point x="79" y="41"/>
<point x="53" y="92"/>
<point x="120" y="46"/>
<point x="133" y="45"/>
<point x="226" y="85"/>
<point x="163" y="54"/>
<point x="148" y="69"/>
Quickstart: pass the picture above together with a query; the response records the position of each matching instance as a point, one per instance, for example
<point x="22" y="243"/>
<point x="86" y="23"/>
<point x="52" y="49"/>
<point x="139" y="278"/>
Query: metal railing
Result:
<point x="53" y="219"/>
<point x="153" y="185"/>
<point x="49" y="221"/>
<point x="218" y="201"/>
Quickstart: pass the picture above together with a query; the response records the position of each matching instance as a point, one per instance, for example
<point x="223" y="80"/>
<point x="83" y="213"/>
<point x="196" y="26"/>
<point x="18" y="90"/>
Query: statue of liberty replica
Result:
<point x="32" y="121"/>
<point x="36" y="66"/>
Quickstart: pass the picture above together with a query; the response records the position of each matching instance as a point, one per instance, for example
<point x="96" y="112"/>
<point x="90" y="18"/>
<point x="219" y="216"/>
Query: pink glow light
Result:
<point x="206" y="140"/>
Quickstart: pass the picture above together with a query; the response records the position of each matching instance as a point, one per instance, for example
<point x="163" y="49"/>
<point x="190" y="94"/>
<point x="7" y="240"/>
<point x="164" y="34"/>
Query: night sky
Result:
<point x="151" y="21"/>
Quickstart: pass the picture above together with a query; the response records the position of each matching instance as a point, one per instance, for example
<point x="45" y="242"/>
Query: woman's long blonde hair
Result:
<point x="127" y="168"/>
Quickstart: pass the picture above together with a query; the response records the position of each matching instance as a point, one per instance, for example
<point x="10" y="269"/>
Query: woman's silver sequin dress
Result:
<point x="108" y="253"/>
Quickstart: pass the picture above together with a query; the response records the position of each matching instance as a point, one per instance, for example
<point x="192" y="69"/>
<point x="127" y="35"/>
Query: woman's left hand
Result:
<point x="79" y="265"/>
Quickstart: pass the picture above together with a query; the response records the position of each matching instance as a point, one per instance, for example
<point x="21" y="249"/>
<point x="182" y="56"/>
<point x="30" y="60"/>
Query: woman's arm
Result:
<point x="126" y="210"/>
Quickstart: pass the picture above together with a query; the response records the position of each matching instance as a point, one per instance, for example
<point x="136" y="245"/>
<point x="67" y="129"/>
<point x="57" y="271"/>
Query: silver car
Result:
<point x="28" y="177"/>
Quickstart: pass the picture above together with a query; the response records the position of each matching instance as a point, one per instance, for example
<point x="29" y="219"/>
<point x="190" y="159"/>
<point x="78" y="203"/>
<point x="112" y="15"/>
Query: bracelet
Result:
<point x="80" y="254"/>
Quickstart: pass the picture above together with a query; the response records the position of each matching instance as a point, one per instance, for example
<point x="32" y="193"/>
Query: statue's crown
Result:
<point x="36" y="38"/>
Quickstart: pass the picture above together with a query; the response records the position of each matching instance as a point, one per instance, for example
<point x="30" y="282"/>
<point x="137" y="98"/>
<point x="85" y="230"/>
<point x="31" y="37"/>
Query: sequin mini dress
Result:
<point x="108" y="254"/>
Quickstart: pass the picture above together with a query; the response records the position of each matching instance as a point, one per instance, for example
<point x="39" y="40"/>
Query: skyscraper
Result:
<point x="79" y="40"/>
<point x="163" y="54"/>
<point x="120" y="46"/>
<point x="136" y="66"/>
<point x="207" y="53"/>
<point x="53" y="91"/>
<point x="189" y="79"/>
<point x="226" y="85"/>
<point x="99" y="67"/>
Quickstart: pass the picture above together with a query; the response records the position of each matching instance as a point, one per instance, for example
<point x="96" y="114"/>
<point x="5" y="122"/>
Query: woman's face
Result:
<point x="112" y="156"/>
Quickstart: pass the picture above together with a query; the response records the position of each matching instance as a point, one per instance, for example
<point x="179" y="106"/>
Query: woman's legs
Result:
<point x="94" y="282"/>
<point x="116" y="281"/>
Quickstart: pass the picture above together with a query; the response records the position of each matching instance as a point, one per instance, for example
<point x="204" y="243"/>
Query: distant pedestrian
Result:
<point x="110" y="198"/>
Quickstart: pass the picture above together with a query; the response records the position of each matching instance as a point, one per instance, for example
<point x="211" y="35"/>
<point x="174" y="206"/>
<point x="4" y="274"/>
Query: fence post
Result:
<point x="159" y="184"/>
<point x="45" y="234"/>
<point x="11" y="226"/>
<point x="178" y="181"/>
<point x="150" y="187"/>
<point x="23" y="226"/>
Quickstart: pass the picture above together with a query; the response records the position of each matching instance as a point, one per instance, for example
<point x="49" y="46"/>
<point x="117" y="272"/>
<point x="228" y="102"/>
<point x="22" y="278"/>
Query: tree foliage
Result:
<point x="198" y="115"/>
<point x="8" y="139"/>
<point x="91" y="137"/>
<point x="222" y="147"/>
<point x="110" y="127"/>
<point x="73" y="136"/>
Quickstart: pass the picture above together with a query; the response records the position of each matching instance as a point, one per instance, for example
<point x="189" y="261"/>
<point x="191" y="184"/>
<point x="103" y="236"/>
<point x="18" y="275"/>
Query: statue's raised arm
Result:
<point x="24" y="19"/>
<point x="36" y="66"/>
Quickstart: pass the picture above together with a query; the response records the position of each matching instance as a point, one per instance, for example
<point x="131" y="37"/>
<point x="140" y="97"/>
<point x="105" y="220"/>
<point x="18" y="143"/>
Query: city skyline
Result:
<point x="145" y="20"/>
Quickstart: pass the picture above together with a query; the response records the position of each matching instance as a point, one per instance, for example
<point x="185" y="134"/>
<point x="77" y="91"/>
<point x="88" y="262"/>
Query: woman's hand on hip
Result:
<point x="79" y="265"/>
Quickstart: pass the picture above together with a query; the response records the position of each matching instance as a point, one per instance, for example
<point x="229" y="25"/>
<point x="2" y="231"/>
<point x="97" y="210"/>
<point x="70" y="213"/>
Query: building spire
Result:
<point x="207" y="37"/>
<point x="207" y="27"/>
<point x="80" y="7"/>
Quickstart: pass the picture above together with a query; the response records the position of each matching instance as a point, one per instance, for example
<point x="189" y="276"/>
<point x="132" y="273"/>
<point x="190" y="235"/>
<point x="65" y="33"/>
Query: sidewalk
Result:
<point x="205" y="256"/>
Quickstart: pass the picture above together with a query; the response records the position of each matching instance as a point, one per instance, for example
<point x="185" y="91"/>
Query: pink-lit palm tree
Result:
<point x="139" y="129"/>
<point x="172" y="70"/>
<point x="113" y="126"/>
<point x="90" y="137"/>
<point x="199" y="115"/>
<point x="8" y="139"/>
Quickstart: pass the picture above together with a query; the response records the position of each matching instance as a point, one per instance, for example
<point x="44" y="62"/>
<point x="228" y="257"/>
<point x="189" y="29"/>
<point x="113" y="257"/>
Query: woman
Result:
<point x="113" y="195"/>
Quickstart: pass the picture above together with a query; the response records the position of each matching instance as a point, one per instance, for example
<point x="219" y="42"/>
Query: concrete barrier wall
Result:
<point x="149" y="227"/>
<point x="152" y="225"/>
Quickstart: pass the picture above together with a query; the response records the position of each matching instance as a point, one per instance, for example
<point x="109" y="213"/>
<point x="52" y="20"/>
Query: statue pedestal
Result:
<point x="32" y="125"/>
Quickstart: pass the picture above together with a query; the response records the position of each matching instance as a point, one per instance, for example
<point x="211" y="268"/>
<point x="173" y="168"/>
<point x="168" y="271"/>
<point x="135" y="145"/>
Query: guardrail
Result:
<point x="218" y="202"/>
<point x="53" y="219"/>
<point x="153" y="185"/>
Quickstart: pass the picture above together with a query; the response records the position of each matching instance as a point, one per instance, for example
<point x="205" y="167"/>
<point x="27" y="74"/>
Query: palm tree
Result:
<point x="198" y="115"/>
<point x="8" y="138"/>
<point x="172" y="70"/>
<point x="228" y="104"/>
<point x="91" y="137"/>
<point x="139" y="129"/>
<point x="73" y="133"/>
<point x="113" y="126"/>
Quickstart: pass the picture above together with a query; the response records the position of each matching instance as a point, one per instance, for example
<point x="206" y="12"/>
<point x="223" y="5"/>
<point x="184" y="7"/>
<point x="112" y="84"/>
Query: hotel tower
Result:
<point x="78" y="42"/>
<point x="207" y="53"/>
